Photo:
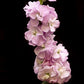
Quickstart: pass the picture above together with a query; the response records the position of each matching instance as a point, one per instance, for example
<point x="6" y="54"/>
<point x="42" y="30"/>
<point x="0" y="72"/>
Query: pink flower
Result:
<point x="39" y="13"/>
<point x="45" y="73"/>
<point x="50" y="15"/>
<point x="63" y="71"/>
<point x="43" y="8"/>
<point x="37" y="65"/>
<point x="57" y="52"/>
<point x="50" y="22"/>
<point x="51" y="25"/>
<point x="46" y="70"/>
<point x="49" y="45"/>
<point x="34" y="36"/>
<point x="60" y="52"/>
<point x="56" y="73"/>
<point x="31" y="7"/>
<point x="35" y="10"/>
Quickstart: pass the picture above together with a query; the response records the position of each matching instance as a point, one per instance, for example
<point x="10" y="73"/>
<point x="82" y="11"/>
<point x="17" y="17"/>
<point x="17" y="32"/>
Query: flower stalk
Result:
<point x="41" y="1"/>
<point x="51" y="62"/>
<point x="44" y="82"/>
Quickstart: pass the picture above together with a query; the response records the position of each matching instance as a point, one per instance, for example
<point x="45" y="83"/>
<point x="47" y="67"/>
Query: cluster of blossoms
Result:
<point x="51" y="63"/>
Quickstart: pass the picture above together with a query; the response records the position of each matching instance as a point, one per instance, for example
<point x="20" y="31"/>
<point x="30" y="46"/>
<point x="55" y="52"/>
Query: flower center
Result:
<point x="58" y="51"/>
<point x="43" y="46"/>
<point x="46" y="76"/>
<point x="34" y="33"/>
<point x="61" y="70"/>
<point x="39" y="61"/>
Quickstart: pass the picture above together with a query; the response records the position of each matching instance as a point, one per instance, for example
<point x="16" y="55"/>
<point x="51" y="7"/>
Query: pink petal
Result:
<point x="45" y="28"/>
<point x="28" y="35"/>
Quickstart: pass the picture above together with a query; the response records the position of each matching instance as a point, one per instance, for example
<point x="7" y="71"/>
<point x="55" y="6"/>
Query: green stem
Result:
<point x="41" y="1"/>
<point x="44" y="82"/>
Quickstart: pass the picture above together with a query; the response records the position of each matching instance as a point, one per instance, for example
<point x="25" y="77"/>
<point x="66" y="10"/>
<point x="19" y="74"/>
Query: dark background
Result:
<point x="20" y="66"/>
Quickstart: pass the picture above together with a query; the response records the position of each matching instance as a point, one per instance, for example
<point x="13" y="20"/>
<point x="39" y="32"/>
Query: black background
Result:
<point x="19" y="65"/>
